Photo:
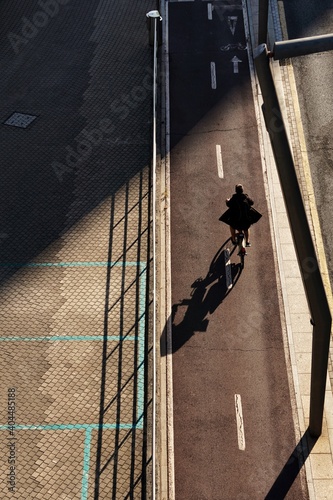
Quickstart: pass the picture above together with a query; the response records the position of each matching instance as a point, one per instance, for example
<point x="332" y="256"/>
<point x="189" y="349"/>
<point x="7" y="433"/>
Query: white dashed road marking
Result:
<point x="213" y="75"/>
<point x="240" y="422"/>
<point x="219" y="161"/>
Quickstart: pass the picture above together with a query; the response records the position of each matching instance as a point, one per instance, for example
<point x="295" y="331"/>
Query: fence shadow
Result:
<point x="122" y="444"/>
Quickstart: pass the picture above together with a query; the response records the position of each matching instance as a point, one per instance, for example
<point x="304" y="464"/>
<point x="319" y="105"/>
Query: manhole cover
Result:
<point x="21" y="120"/>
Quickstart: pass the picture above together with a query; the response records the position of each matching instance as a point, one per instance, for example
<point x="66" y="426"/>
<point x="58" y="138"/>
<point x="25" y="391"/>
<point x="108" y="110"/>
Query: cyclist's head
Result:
<point x="239" y="188"/>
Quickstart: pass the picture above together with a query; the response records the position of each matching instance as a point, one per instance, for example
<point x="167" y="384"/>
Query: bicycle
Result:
<point x="241" y="244"/>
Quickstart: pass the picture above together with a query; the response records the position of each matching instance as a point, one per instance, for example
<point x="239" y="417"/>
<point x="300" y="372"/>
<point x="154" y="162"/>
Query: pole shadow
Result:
<point x="292" y="467"/>
<point x="205" y="297"/>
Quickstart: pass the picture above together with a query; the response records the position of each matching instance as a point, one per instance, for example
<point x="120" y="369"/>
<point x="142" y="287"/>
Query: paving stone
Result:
<point x="75" y="251"/>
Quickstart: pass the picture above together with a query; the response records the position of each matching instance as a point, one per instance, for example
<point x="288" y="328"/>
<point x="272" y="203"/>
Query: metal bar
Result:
<point x="263" y="21"/>
<point x="302" y="46"/>
<point x="152" y="17"/>
<point x="154" y="261"/>
<point x="307" y="259"/>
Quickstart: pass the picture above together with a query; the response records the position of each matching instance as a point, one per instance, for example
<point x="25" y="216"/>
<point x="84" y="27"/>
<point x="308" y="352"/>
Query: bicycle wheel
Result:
<point x="242" y="255"/>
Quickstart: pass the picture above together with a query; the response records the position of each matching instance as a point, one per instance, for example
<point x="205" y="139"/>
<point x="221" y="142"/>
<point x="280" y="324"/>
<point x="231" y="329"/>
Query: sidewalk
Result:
<point x="75" y="250"/>
<point x="319" y="464"/>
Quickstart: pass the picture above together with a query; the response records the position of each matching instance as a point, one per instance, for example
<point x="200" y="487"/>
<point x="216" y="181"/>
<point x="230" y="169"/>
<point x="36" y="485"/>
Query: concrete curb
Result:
<point x="166" y="483"/>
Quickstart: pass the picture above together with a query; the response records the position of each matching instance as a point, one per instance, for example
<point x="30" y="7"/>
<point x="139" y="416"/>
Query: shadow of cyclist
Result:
<point x="206" y="295"/>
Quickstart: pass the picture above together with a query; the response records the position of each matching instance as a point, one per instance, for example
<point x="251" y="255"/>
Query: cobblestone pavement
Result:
<point x="75" y="112"/>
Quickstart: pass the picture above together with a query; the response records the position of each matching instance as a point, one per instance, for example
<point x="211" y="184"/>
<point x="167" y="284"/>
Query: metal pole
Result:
<point x="307" y="260"/>
<point x="302" y="46"/>
<point x="263" y="21"/>
<point x="154" y="261"/>
<point x="154" y="16"/>
<point x="155" y="34"/>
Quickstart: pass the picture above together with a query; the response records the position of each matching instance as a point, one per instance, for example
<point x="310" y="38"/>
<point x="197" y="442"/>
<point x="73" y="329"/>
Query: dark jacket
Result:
<point x="240" y="204"/>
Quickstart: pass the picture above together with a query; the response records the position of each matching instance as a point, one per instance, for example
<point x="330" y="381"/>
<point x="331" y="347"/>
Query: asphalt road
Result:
<point x="314" y="77"/>
<point x="233" y="425"/>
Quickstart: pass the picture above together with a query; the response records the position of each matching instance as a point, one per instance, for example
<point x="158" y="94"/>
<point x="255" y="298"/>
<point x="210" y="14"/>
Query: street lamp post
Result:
<point x="154" y="39"/>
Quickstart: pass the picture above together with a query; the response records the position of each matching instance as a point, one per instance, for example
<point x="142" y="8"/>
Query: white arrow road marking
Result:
<point x="235" y="62"/>
<point x="219" y="161"/>
<point x="240" y="422"/>
<point x="213" y="75"/>
<point x="232" y="21"/>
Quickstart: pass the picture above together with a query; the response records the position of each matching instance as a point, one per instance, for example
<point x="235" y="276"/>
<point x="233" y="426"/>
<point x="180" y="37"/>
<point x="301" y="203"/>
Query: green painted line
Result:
<point x="73" y="338"/>
<point x="72" y="264"/>
<point x="89" y="428"/>
<point x="68" y="427"/>
<point x="141" y="346"/>
<point x="86" y="465"/>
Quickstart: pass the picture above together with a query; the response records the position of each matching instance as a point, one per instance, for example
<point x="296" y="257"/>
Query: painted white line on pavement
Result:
<point x="213" y="74"/>
<point x="240" y="422"/>
<point x="219" y="161"/>
<point x="210" y="11"/>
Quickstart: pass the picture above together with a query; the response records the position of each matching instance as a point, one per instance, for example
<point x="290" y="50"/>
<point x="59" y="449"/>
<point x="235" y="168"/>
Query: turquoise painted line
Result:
<point x="86" y="465"/>
<point x="73" y="338"/>
<point x="72" y="264"/>
<point x="68" y="427"/>
<point x="88" y="428"/>
<point x="141" y="346"/>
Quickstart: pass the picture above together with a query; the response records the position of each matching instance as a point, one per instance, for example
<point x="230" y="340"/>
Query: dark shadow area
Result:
<point x="190" y="74"/>
<point x="307" y="20"/>
<point x="66" y="163"/>
<point x="206" y="296"/>
<point x="291" y="469"/>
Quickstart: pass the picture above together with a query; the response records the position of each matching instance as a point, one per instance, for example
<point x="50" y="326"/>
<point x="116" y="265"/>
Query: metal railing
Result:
<point x="153" y="17"/>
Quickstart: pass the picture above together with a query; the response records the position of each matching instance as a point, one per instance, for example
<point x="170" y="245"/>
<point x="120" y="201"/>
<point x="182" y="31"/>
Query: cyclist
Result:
<point x="239" y="204"/>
